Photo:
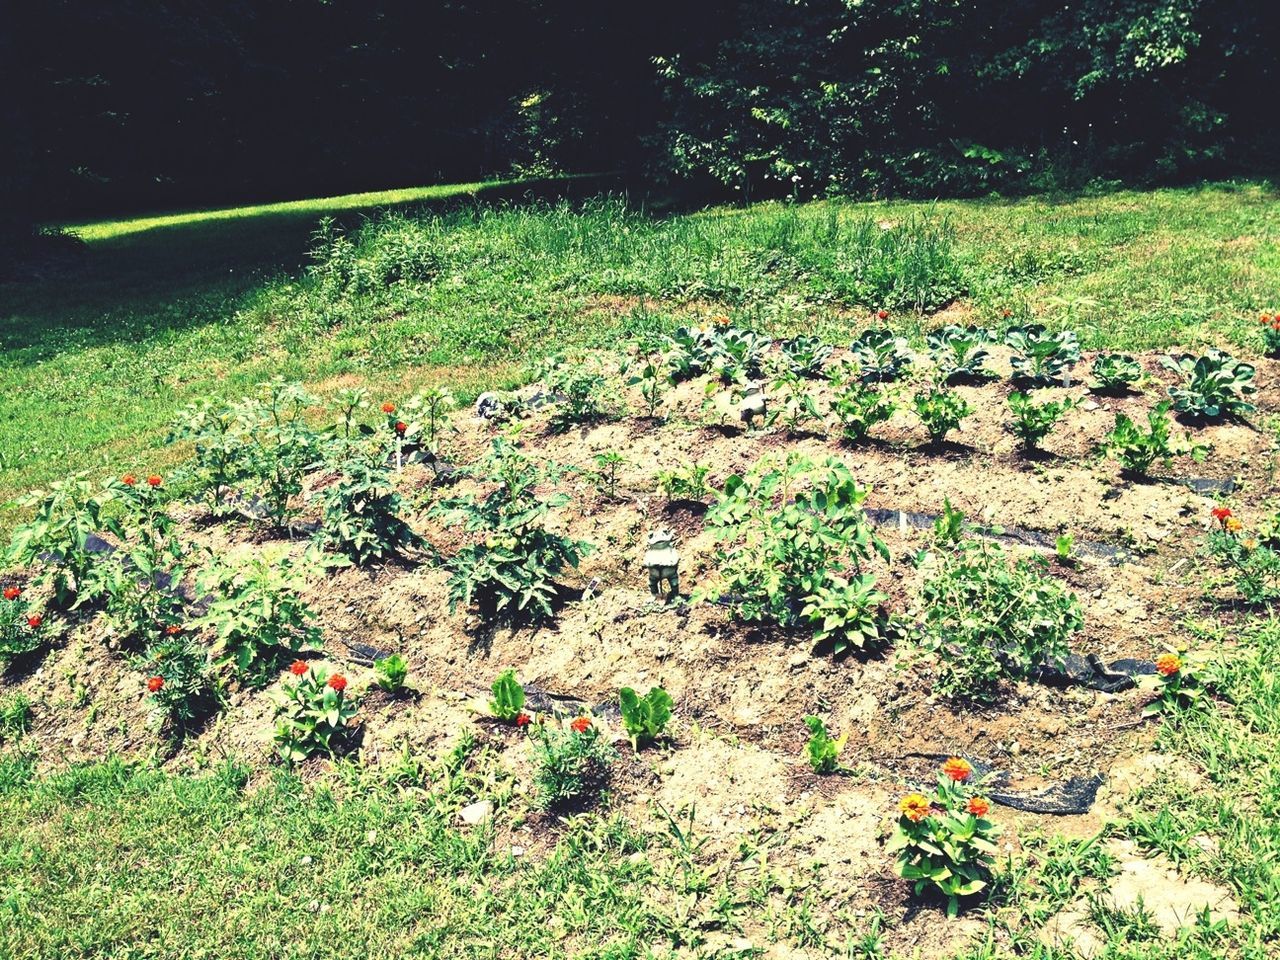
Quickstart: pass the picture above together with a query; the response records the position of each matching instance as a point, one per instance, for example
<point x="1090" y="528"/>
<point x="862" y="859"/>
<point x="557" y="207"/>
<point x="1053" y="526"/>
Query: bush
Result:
<point x="644" y="718"/>
<point x="256" y="613"/>
<point x="991" y="620"/>
<point x="512" y="572"/>
<point x="1216" y="385"/>
<point x="313" y="714"/>
<point x="848" y="614"/>
<point x="56" y="538"/>
<point x="572" y="763"/>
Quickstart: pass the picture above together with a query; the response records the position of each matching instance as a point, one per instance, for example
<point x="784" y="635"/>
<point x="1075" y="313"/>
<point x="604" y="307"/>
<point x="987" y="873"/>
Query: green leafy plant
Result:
<point x="1040" y="356"/>
<point x="1215" y="385"/>
<point x="179" y="682"/>
<point x="940" y="411"/>
<point x="279" y="446"/>
<point x="806" y="356"/>
<point x="950" y="526"/>
<point x="15" y="716"/>
<point x="960" y="352"/>
<point x="791" y="527"/>
<point x="56" y="538"/>
<point x="684" y="483"/>
<point x="256" y="612"/>
<point x="791" y="403"/>
<point x="653" y="383"/>
<point x="508" y="697"/>
<point x="989" y="619"/>
<point x="577" y="389"/>
<point x="426" y="415"/>
<point x="571" y="763"/>
<point x="390" y="673"/>
<point x="1137" y="450"/>
<point x="1270" y="334"/>
<point x="848" y="613"/>
<point x="512" y="572"/>
<point x="858" y="405"/>
<point x="20" y="628"/>
<point x="1252" y="561"/>
<point x="360" y="519"/>
<point x="313" y="714"/>
<point x="605" y="478"/>
<point x="1114" y="373"/>
<point x="737" y="354"/>
<point x="945" y="841"/>
<point x="822" y="751"/>
<point x="688" y="352"/>
<point x="216" y="432"/>
<point x="1177" y="686"/>
<point x="881" y="355"/>
<point x="1032" y="422"/>
<point x="644" y="717"/>
<point x="1063" y="547"/>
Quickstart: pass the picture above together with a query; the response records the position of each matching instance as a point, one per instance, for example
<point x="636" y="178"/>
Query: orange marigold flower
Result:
<point x="154" y="480"/>
<point x="915" y="807"/>
<point x="401" y="427"/>
<point x="581" y="725"/>
<point x="388" y="407"/>
<point x="154" y="684"/>
<point x="958" y="769"/>
<point x="298" y="667"/>
<point x="1232" y="525"/>
<point x="1167" y="664"/>
<point x="882" y="314"/>
<point x="173" y="629"/>
<point x="979" y="806"/>
<point x="12" y="593"/>
<point x="338" y="682"/>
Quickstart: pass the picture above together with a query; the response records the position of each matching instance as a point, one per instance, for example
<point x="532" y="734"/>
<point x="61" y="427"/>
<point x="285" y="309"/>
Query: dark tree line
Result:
<point x="130" y="104"/>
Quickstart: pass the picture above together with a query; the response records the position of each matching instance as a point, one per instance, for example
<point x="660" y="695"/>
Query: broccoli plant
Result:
<point x="1114" y="373"/>
<point x="1215" y="385"/>
<point x="960" y="352"/>
<point x="806" y="356"/>
<point x="881" y="355"/>
<point x="1040" y="356"/>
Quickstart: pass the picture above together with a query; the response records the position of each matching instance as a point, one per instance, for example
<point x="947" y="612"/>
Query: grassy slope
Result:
<point x="169" y="309"/>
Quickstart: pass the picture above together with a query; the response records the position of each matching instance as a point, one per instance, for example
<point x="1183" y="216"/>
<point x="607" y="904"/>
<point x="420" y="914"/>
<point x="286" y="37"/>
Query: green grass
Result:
<point x="167" y="309"/>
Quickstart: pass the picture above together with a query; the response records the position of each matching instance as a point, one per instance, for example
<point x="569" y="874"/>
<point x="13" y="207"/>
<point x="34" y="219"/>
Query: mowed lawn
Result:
<point x="95" y="360"/>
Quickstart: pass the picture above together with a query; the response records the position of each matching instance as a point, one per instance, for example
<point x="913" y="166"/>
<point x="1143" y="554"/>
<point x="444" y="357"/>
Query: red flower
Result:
<point x="979" y="806"/>
<point x="338" y="682"/>
<point x="1221" y="514"/>
<point x="155" y="683"/>
<point x="388" y="407"/>
<point x="154" y="480"/>
<point x="1006" y="313"/>
<point x="581" y="725"/>
<point x="128" y="479"/>
<point x="523" y="719"/>
<point x="401" y="427"/>
<point x="34" y="621"/>
<point x="12" y="593"/>
<point x="173" y="629"/>
<point x="958" y="769"/>
<point x="883" y="314"/>
<point x="298" y="667"/>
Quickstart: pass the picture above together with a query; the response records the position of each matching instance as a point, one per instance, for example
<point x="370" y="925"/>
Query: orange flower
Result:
<point x="128" y="479"/>
<point x="34" y="621"/>
<point x="154" y="480"/>
<point x="12" y="593"/>
<point x="958" y="769"/>
<point x="979" y="806"/>
<point x="298" y="667"/>
<point x="154" y="684"/>
<point x="1221" y="514"/>
<point x="173" y="629"/>
<point x="1167" y="664"/>
<point x="523" y="719"/>
<point x="338" y="682"/>
<point x="581" y="725"/>
<point x="1232" y="525"/>
<point x="401" y="427"/>
<point x="388" y="407"/>
<point x="915" y="807"/>
<point x="882" y="315"/>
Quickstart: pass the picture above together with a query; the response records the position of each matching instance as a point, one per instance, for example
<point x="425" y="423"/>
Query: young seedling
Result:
<point x="822" y="751"/>
<point x="605" y="478"/>
<point x="644" y="718"/>
<point x="390" y="673"/>
<point x="508" y="697"/>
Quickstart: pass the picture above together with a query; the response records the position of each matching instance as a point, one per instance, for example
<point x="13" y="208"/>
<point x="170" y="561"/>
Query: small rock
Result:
<point x="476" y="813"/>
<point x="517" y="851"/>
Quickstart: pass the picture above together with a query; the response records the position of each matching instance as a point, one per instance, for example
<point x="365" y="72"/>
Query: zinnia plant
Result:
<point x="1176" y="684"/>
<point x="19" y="628"/>
<point x="313" y="715"/>
<point x="945" y="841"/>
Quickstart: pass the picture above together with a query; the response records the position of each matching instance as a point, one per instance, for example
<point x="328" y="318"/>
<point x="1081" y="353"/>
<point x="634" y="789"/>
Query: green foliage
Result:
<point x="1271" y="335"/>
<point x="989" y="619"/>
<point x="56" y="536"/>
<point x="215" y="432"/>
<point x="960" y="352"/>
<point x="645" y="718"/>
<point x="1063" y="546"/>
<point x="684" y="483"/>
<point x="940" y="411"/>
<point x="313" y="715"/>
<point x="1176" y="690"/>
<point x="19" y="632"/>
<point x="578" y="391"/>
<point x="950" y="848"/>
<point x="653" y="383"/>
<point x="858" y="405"/>
<point x="881" y="355"/>
<point x="1137" y="450"/>
<point x="390" y="673"/>
<point x="511" y="572"/>
<point x="822" y="751"/>
<point x="806" y="356"/>
<point x="571" y="763"/>
<point x="360" y="517"/>
<point x="791" y="526"/>
<point x="15" y="716"/>
<point x="1216" y="385"/>
<point x="1252" y="563"/>
<point x="1032" y="422"/>
<point x="185" y="693"/>
<point x="950" y="527"/>
<point x="1041" y="357"/>
<point x="848" y="613"/>
<point x="426" y="415"/>
<point x="1114" y="372"/>
<point x="605" y="478"/>
<point x="279" y="446"/>
<point x="256" y="613"/>
<point x="508" y="697"/>
<point x="791" y="403"/>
